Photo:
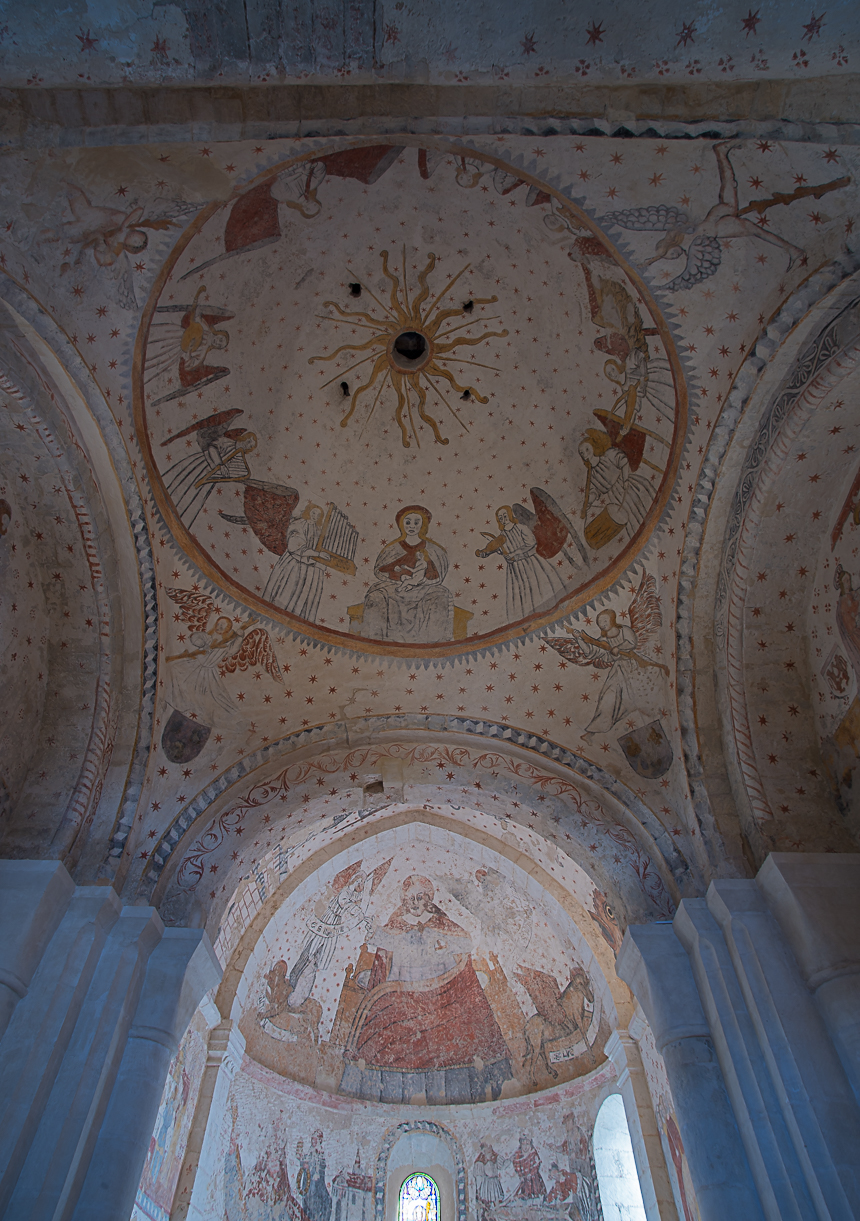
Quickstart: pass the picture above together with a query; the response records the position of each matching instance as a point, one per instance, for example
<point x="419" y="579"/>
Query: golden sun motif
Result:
<point x="409" y="350"/>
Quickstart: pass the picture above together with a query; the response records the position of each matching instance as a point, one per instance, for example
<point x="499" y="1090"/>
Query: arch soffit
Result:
<point x="39" y="355"/>
<point x="786" y="360"/>
<point x="491" y="752"/>
<point x="604" y="957"/>
<point x="404" y="1129"/>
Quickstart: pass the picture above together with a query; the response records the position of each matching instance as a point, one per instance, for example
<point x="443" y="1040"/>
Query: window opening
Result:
<point x="620" y="1194"/>
<point x="419" y="1199"/>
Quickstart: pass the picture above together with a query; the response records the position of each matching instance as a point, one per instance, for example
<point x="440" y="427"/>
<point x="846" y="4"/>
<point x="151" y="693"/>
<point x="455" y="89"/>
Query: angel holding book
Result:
<point x="616" y="650"/>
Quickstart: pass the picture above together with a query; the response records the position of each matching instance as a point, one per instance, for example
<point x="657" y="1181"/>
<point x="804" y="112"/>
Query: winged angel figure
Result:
<point x="105" y="240"/>
<point x="223" y="649"/>
<point x="724" y="221"/>
<point x="616" y="649"/>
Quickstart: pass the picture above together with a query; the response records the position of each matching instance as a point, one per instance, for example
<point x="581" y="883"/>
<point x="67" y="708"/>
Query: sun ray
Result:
<point x="395" y="291"/>
<point x="425" y="289"/>
<point x="449" y="377"/>
<point x="467" y="360"/>
<point x="403" y="365"/>
<point x="446" y="289"/>
<point x="406" y="382"/>
<point x="454" y="329"/>
<point x="349" y="313"/>
<point x="447" y="404"/>
<point x="352" y="322"/>
<point x="343" y="372"/>
<point x="421" y="395"/>
<point x="371" y="293"/>
<point x="405" y="285"/>
<point x="375" y="401"/>
<point x="356" y="347"/>
<point x="397" y="383"/>
<point x="374" y="373"/>
<point x="470" y="342"/>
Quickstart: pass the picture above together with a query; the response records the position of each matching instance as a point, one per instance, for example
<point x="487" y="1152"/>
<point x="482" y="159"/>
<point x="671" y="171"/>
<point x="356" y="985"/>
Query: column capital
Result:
<point x="815" y="897"/>
<point x="655" y="965"/>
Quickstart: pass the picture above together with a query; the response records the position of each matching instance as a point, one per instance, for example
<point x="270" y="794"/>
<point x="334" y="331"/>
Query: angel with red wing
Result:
<point x="529" y="542"/>
<point x="616" y="649"/>
<point x="199" y="691"/>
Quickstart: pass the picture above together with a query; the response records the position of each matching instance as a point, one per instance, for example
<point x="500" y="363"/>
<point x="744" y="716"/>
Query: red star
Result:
<point x="685" y="34"/>
<point x="595" y="33"/>
<point x="528" y="44"/>
<point x="86" y="40"/>
<point x="750" y="22"/>
<point x="814" y="26"/>
<point x="832" y="154"/>
<point x="159" y="47"/>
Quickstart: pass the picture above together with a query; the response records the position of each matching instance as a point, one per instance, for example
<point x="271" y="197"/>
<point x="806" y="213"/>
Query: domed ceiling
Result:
<point x="406" y="401"/>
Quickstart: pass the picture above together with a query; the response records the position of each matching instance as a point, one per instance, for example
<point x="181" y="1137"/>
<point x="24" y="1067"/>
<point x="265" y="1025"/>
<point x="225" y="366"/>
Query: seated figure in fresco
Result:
<point x="409" y="601"/>
<point x="425" y="1025"/>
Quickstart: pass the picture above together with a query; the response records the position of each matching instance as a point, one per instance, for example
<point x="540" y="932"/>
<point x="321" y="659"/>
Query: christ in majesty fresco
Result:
<point x="425" y="1025"/>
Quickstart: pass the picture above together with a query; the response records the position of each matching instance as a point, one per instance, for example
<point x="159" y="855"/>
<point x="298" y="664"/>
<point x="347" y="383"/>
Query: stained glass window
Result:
<point x="419" y="1199"/>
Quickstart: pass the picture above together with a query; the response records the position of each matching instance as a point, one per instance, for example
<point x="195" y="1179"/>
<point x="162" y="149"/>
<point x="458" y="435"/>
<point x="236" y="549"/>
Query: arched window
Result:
<point x="617" y="1179"/>
<point x="419" y="1199"/>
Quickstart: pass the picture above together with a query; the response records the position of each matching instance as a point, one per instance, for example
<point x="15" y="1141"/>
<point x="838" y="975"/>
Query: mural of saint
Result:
<point x="409" y="602"/>
<point x="530" y="580"/>
<point x="424" y="1022"/>
<point x="488" y="1185"/>
<point x="346" y="911"/>
<point x="620" y="496"/>
<point x="848" y="617"/>
<point x="311" y="1183"/>
<point x="526" y="1163"/>
<point x="296" y="582"/>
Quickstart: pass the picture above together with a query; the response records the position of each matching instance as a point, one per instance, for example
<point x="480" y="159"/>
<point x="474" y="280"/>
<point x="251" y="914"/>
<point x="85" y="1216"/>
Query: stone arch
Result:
<point x="801" y="350"/>
<point x="521" y="751"/>
<point x="442" y="1133"/>
<point x="45" y="377"/>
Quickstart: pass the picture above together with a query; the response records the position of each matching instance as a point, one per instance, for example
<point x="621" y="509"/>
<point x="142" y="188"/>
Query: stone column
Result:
<point x="223" y="1059"/>
<point x="101" y="1008"/>
<point x="657" y="1196"/>
<point x="815" y="897"/>
<point x="653" y="963"/>
<point x="43" y="1028"/>
<point x="180" y="970"/>
<point x="33" y="898"/>
<point x="797" y="1114"/>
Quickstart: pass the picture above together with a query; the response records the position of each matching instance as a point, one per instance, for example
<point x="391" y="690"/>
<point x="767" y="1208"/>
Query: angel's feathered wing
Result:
<point x="645" y="613"/>
<point x="256" y="650"/>
<point x="655" y="218"/>
<point x="570" y="649"/>
<point x="195" y="608"/>
<point x="703" y="259"/>
<point x="545" y="994"/>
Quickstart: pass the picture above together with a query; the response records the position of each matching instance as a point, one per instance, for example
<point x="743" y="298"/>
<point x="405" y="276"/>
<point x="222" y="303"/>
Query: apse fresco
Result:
<point x="406" y="399"/>
<point x="278" y="1149"/>
<point x="417" y="974"/>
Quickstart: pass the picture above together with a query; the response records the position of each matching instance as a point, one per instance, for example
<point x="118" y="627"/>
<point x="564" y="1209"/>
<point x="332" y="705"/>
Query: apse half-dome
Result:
<point x="420" y="968"/>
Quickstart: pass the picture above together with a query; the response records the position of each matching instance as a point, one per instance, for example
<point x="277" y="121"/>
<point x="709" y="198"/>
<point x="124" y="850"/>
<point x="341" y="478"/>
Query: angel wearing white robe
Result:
<point x="616" y="650"/>
<point x="198" y="689"/>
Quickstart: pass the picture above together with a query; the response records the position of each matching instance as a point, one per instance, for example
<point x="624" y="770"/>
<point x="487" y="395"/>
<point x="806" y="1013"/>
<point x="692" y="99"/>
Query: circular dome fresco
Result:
<point x="408" y="400"/>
